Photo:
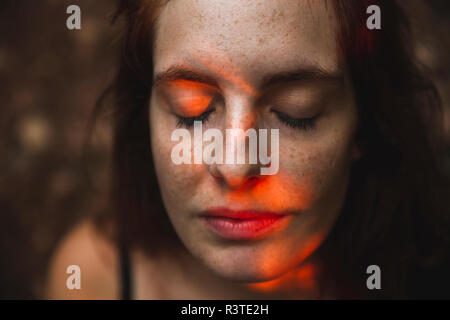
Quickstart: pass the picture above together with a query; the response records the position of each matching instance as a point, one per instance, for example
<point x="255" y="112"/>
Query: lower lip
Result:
<point x="243" y="229"/>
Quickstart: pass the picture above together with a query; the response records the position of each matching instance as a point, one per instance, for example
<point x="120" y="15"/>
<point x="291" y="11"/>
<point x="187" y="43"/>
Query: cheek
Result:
<point x="177" y="182"/>
<point x="318" y="170"/>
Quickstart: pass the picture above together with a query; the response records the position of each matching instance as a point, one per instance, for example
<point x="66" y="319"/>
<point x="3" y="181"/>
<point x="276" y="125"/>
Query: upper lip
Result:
<point x="241" y="214"/>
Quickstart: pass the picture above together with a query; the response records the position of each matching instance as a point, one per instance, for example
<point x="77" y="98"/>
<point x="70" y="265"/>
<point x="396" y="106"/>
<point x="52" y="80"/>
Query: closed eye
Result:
<point x="188" y="122"/>
<point x="305" y="124"/>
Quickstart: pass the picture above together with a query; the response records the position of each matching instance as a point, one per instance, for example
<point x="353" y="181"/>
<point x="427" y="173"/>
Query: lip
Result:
<point x="242" y="224"/>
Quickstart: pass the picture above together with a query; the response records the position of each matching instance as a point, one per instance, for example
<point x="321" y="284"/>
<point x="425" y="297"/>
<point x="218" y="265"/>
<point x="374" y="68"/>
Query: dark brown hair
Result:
<point x="394" y="216"/>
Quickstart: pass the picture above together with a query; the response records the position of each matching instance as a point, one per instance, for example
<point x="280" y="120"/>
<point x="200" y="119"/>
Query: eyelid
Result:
<point x="194" y="105"/>
<point x="296" y="111"/>
<point x="189" y="121"/>
<point x="305" y="124"/>
<point x="189" y="98"/>
<point x="183" y="84"/>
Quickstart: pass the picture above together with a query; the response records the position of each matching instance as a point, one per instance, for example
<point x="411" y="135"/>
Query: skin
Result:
<point x="238" y="45"/>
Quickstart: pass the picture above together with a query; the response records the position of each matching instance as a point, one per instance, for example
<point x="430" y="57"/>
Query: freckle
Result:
<point x="261" y="41"/>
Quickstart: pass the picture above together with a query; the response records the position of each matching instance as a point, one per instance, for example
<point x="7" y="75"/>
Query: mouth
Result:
<point x="242" y="225"/>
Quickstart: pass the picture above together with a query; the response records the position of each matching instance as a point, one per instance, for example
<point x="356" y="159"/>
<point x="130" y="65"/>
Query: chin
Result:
<point x="246" y="276"/>
<point x="246" y="270"/>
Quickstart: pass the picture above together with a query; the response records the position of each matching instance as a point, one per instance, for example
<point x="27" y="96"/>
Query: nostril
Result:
<point x="217" y="176"/>
<point x="250" y="182"/>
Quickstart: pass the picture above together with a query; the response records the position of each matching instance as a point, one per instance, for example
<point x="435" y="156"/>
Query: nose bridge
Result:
<point x="240" y="112"/>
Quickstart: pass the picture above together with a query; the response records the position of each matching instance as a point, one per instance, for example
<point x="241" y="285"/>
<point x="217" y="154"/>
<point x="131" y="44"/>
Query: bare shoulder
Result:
<point x="87" y="253"/>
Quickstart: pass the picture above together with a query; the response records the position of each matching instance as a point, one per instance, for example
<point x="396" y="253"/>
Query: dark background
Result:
<point x="50" y="79"/>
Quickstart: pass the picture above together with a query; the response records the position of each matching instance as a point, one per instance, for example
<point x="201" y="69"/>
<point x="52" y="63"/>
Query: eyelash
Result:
<point x="305" y="124"/>
<point x="189" y="122"/>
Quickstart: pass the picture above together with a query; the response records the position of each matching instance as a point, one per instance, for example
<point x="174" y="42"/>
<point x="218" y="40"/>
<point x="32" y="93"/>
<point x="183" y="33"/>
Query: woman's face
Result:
<point x="263" y="65"/>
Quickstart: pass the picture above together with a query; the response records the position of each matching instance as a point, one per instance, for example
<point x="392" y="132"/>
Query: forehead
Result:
<point x="249" y="39"/>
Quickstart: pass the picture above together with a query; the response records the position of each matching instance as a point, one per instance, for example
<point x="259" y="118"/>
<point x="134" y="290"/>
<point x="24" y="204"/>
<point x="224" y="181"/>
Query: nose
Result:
<point x="241" y="164"/>
<point x="235" y="176"/>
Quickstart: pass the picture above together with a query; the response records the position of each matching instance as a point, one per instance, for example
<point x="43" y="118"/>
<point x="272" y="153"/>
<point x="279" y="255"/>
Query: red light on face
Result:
<point x="303" y="278"/>
<point x="275" y="193"/>
<point x="193" y="98"/>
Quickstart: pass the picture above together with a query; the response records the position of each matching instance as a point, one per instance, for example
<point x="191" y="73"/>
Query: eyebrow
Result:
<point x="175" y="73"/>
<point x="304" y="74"/>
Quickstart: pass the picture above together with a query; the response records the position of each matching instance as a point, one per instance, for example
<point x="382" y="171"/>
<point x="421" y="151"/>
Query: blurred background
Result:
<point x="50" y="79"/>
